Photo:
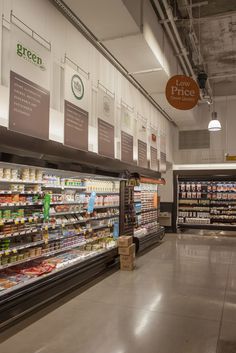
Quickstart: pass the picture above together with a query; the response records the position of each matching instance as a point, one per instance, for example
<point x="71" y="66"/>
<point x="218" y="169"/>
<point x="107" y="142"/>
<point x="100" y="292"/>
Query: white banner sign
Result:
<point x="106" y="107"/>
<point x="29" y="102"/>
<point x="29" y="58"/>
<point x="154" y="165"/>
<point x="77" y="88"/>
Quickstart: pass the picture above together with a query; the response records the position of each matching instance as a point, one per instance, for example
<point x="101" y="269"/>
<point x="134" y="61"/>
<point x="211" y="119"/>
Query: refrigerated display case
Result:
<point x="147" y="207"/>
<point x="206" y="203"/>
<point x="57" y="230"/>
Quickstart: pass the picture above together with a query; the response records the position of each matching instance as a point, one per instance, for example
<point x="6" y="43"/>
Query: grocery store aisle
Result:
<point x="180" y="299"/>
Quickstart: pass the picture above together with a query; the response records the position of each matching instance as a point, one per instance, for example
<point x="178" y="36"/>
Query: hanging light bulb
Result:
<point x="214" y="124"/>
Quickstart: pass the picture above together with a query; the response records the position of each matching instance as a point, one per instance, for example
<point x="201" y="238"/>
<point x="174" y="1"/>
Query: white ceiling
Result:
<point x="116" y="26"/>
<point x="133" y="53"/>
<point x="105" y="18"/>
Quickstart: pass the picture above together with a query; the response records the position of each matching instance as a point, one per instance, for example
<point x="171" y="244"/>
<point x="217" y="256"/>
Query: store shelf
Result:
<point x="149" y="221"/>
<point x="66" y="203"/>
<point x="50" y="253"/>
<point x="17" y="181"/>
<point x="108" y="206"/>
<point x="17" y="234"/>
<point x="20" y="204"/>
<point x="64" y="187"/>
<point x="16" y="248"/>
<point x="11" y="192"/>
<point x="103" y="192"/>
<point x="151" y="239"/>
<point x="21" y="219"/>
<point x="149" y="210"/>
<point x="67" y="213"/>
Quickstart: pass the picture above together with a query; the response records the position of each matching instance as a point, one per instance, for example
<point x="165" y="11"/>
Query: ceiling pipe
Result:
<point x="175" y="30"/>
<point x="173" y="41"/>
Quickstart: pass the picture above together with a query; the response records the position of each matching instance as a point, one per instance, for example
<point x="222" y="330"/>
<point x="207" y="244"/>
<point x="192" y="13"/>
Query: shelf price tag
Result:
<point x="16" y="221"/>
<point x="7" y="252"/>
<point x="22" y="220"/>
<point x="1" y="222"/>
<point x="30" y="219"/>
<point x="14" y="251"/>
<point x="46" y="228"/>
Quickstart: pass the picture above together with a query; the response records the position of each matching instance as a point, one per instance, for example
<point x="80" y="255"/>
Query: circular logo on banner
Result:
<point x="77" y="87"/>
<point x="106" y="106"/>
<point x="182" y="92"/>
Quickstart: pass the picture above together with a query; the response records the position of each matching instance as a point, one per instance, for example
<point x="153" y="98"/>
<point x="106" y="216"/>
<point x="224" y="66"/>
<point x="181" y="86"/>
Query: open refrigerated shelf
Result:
<point x="35" y="232"/>
<point x="148" y="231"/>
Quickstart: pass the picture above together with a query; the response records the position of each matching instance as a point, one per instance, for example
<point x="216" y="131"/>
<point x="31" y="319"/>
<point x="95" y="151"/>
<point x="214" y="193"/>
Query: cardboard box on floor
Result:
<point x="124" y="241"/>
<point x="127" y="250"/>
<point x="127" y="262"/>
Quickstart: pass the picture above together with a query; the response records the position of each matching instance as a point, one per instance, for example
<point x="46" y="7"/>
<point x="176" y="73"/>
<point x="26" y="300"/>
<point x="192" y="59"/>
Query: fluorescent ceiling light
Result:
<point x="205" y="166"/>
<point x="146" y="71"/>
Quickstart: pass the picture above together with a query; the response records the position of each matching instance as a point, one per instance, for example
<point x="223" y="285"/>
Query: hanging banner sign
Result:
<point x="153" y="158"/>
<point x="163" y="153"/>
<point x="76" y="116"/>
<point x="128" y="132"/>
<point x="127" y="147"/>
<point x="153" y="150"/>
<point x="142" y="154"/>
<point x="75" y="127"/>
<point x="106" y="130"/>
<point x="77" y="85"/>
<point x="29" y="85"/>
<point x="182" y="92"/>
<point x="142" y="141"/>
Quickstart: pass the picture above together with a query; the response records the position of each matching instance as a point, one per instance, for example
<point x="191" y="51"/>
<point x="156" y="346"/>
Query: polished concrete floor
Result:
<point x="180" y="299"/>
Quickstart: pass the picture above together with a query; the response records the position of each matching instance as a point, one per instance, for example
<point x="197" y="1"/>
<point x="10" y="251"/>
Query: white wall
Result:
<point x="221" y="142"/>
<point x="43" y="17"/>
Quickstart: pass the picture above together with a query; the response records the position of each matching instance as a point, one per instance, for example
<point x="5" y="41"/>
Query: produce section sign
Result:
<point x="182" y="92"/>
<point x="29" y="85"/>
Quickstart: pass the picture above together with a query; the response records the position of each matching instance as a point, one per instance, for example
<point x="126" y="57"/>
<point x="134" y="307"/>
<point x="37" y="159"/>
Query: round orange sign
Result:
<point x="182" y="92"/>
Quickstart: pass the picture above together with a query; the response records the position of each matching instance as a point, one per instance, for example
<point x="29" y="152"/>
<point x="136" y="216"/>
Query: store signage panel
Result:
<point x="77" y="87"/>
<point x="128" y="134"/>
<point x="106" y="106"/>
<point x="127" y="147"/>
<point x="163" y="162"/>
<point x="153" y="149"/>
<point x="142" y="154"/>
<point x="153" y="158"/>
<point x="29" y="58"/>
<point x="182" y="92"/>
<point x="75" y="127"/>
<point x="29" y="85"/>
<point x="106" y="139"/>
<point x="106" y="129"/>
<point x="28" y="108"/>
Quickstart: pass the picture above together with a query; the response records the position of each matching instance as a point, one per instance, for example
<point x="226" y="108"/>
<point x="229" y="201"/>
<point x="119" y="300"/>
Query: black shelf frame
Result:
<point x="207" y="176"/>
<point x="21" y="302"/>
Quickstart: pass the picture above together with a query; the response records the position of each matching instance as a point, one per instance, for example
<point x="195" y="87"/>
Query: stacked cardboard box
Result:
<point x="126" y="251"/>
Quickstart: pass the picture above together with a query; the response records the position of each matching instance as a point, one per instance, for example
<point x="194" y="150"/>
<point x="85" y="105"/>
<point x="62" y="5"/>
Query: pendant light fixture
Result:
<point x="214" y="124"/>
